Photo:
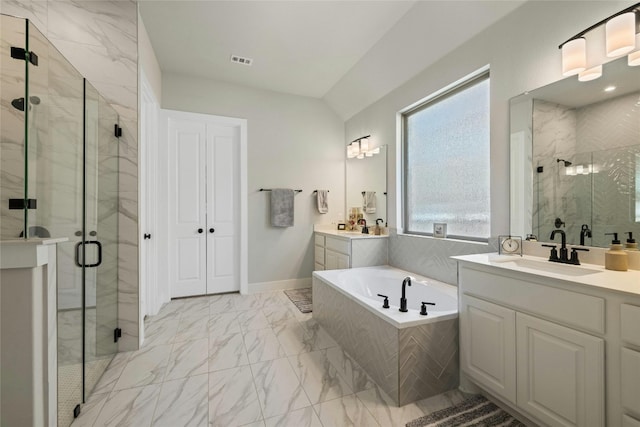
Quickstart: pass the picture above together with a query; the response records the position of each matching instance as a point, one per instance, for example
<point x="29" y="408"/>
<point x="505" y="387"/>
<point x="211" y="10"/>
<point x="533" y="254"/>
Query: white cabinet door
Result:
<point x="187" y="207"/>
<point x="488" y="345"/>
<point x="223" y="207"/>
<point x="560" y="373"/>
<point x="330" y="260"/>
<point x="630" y="368"/>
<point x="343" y="261"/>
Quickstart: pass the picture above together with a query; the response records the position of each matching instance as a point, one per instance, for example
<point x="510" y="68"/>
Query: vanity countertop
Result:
<point x="585" y="274"/>
<point x="350" y="235"/>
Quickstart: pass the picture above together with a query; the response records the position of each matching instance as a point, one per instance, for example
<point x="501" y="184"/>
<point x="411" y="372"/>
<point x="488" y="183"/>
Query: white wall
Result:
<point x="147" y="60"/>
<point x="293" y="142"/>
<point x="522" y="50"/>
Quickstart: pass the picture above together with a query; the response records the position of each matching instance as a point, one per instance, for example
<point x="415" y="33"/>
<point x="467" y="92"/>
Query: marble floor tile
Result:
<point x="223" y="324"/>
<point x="278" y="315"/>
<point x="277" y="298"/>
<point x="349" y="369"/>
<point x="346" y="411"/>
<point x="292" y="338"/>
<point x="384" y="409"/>
<point x="161" y="332"/>
<point x="145" y="366"/>
<point x="279" y="389"/>
<point x="188" y="358"/>
<point x="256" y="424"/>
<point x="305" y="417"/>
<point x="131" y="407"/>
<point x="317" y="337"/>
<point x="227" y="351"/>
<point x="441" y="401"/>
<point x="318" y="377"/>
<point x="262" y="345"/>
<point x="90" y="410"/>
<point x="222" y="304"/>
<point x="192" y="328"/>
<point x="233" y="400"/>
<point x="248" y="302"/>
<point x="112" y="374"/>
<point x="183" y="402"/>
<point x="252" y="320"/>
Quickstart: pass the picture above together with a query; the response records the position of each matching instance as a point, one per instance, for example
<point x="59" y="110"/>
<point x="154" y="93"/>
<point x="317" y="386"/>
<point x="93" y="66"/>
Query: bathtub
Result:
<point x="410" y="356"/>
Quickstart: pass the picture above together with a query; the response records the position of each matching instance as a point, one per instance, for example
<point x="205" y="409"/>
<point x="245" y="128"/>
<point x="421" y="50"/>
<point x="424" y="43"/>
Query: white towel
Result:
<point x="369" y="201"/>
<point x="282" y="207"/>
<point x="323" y="201"/>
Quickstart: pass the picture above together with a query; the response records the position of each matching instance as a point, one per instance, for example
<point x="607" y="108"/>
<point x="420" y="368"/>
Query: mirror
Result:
<point x="575" y="158"/>
<point x="368" y="174"/>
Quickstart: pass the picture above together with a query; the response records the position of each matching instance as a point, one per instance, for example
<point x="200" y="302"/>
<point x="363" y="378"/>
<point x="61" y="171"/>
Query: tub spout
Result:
<point x="403" y="300"/>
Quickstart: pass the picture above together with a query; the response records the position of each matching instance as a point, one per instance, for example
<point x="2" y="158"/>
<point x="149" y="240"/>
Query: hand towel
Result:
<point x="323" y="201"/>
<point x="282" y="207"/>
<point x="369" y="201"/>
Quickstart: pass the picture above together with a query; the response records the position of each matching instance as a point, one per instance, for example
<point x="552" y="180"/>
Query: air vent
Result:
<point x="241" y="60"/>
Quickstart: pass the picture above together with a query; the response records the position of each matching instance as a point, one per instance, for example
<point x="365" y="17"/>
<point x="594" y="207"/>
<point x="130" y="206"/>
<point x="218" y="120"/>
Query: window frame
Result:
<point x="444" y="93"/>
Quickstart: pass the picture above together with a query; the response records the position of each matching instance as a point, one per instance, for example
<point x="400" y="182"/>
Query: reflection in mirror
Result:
<point x="368" y="175"/>
<point x="575" y="157"/>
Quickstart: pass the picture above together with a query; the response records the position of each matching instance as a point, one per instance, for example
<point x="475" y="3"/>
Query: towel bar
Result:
<point x="315" y="191"/>
<point x="269" y="189"/>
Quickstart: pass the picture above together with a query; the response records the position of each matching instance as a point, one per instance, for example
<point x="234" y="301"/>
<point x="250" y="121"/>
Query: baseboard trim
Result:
<point x="279" y="285"/>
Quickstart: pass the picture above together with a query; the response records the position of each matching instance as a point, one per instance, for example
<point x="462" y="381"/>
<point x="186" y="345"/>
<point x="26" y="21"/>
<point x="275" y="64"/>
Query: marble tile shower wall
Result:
<point x="100" y="39"/>
<point x="602" y="134"/>
<point x="431" y="257"/>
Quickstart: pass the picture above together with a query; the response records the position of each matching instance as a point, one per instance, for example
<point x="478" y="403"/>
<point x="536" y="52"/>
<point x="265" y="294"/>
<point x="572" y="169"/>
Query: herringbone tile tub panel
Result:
<point x="408" y="364"/>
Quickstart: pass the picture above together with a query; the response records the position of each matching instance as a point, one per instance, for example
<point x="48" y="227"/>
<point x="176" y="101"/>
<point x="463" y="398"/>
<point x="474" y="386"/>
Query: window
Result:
<point x="446" y="159"/>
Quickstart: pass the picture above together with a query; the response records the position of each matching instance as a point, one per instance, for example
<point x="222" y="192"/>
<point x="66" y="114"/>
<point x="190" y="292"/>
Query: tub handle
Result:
<point x="385" y="304"/>
<point x="423" y="309"/>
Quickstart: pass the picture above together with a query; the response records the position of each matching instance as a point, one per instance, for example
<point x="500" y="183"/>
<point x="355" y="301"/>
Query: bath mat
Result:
<point x="301" y="298"/>
<point x="475" y="411"/>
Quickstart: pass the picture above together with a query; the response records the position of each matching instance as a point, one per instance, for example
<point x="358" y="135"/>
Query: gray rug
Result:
<point x="476" y="411"/>
<point x="301" y="298"/>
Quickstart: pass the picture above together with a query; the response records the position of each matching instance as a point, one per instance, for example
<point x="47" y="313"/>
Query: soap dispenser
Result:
<point x="631" y="247"/>
<point x="615" y="258"/>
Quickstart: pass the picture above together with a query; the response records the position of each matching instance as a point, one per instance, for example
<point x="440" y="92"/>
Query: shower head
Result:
<point x="566" y="162"/>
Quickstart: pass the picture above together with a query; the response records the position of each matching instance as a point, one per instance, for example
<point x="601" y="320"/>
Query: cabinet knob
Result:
<point x="200" y="230"/>
<point x="212" y="230"/>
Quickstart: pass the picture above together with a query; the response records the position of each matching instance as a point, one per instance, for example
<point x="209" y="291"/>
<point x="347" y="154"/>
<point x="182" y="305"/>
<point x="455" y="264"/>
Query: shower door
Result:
<point x="100" y="236"/>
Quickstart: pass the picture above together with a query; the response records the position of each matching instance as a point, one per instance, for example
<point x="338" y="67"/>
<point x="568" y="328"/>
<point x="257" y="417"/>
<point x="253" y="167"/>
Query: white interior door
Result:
<point x="187" y="206"/>
<point x="222" y="208"/>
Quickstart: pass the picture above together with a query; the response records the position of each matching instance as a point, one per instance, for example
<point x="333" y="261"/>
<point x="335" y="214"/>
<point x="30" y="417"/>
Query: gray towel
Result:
<point x="282" y="207"/>
<point x="323" y="201"/>
<point x="369" y="201"/>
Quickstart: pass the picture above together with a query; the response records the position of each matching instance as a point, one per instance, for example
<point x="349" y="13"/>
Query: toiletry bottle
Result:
<point x="615" y="258"/>
<point x="631" y="247"/>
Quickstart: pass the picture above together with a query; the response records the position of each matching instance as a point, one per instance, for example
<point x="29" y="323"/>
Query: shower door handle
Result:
<point x="86" y="243"/>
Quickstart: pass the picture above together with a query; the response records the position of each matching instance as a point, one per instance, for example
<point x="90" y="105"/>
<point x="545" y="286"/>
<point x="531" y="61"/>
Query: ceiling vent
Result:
<point x="241" y="60"/>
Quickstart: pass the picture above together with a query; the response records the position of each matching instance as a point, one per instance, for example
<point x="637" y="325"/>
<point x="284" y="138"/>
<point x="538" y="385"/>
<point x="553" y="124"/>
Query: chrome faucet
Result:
<point x="403" y="300"/>
<point x="363" y="221"/>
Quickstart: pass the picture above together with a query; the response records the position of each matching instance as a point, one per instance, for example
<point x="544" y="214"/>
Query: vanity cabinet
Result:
<point x="521" y="344"/>
<point x="340" y="251"/>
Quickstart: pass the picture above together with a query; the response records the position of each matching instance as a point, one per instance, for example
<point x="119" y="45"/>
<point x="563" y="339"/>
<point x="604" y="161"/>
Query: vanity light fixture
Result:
<point x="620" y="32"/>
<point x="359" y="148"/>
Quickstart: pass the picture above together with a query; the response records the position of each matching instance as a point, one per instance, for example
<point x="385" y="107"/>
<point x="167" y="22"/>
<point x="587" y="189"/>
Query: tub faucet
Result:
<point x="403" y="300"/>
<point x="363" y="221"/>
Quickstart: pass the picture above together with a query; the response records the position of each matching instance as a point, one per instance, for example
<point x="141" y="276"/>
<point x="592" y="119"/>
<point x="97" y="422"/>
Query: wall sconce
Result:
<point x="359" y="148"/>
<point x="620" y="33"/>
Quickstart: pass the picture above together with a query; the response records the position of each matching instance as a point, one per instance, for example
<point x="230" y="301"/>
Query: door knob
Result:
<point x="147" y="236"/>
<point x="212" y="230"/>
<point x="200" y="230"/>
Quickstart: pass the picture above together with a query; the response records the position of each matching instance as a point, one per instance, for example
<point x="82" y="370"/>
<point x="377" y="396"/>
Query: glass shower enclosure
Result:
<point x="59" y="178"/>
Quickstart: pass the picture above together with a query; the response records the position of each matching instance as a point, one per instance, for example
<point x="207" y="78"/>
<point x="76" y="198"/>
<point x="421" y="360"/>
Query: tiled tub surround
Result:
<point x="410" y="356"/>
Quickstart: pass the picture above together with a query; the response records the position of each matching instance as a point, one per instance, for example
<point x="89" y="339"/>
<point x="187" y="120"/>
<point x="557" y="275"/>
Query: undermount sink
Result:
<point x="550" y="267"/>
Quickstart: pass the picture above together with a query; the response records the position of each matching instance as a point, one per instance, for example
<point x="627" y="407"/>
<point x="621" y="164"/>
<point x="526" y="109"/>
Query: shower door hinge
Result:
<point x="76" y="411"/>
<point x="117" y="130"/>
<point x="20" y="53"/>
<point x="117" y="334"/>
<point x="19" y="204"/>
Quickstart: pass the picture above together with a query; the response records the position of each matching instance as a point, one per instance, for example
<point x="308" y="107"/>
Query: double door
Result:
<point x="203" y="204"/>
